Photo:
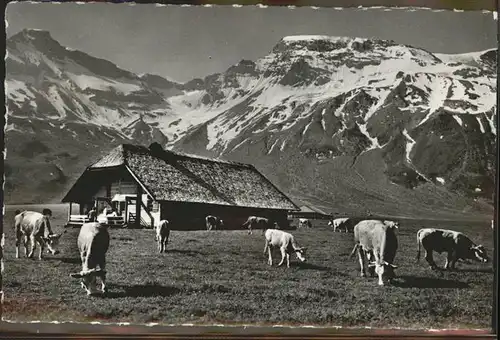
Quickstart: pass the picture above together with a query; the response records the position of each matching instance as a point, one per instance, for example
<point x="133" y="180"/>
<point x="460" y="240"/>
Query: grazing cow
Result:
<point x="336" y="223"/>
<point x="287" y="245"/>
<point x="162" y="235"/>
<point x="93" y="243"/>
<point x="32" y="228"/>
<point x="456" y="244"/>
<point x="255" y="222"/>
<point x="213" y="222"/>
<point x="344" y="224"/>
<point x="304" y="222"/>
<point x="376" y="239"/>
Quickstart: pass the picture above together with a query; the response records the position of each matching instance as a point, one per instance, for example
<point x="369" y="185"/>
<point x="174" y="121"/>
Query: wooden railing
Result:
<point x="78" y="219"/>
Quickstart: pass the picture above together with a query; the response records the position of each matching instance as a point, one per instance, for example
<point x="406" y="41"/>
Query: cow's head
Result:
<point x="52" y="242"/>
<point x="88" y="279"/>
<point x="392" y="224"/>
<point x="479" y="253"/>
<point x="47" y="212"/>
<point x="276" y="225"/>
<point x="301" y="253"/>
<point x="384" y="270"/>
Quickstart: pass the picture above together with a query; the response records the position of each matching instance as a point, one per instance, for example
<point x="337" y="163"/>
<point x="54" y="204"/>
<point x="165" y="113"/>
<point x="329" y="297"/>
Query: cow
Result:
<point x="93" y="244"/>
<point x="34" y="228"/>
<point x="456" y="244"/>
<point x="255" y="222"/>
<point x="336" y="223"/>
<point x="213" y="222"/>
<point x="304" y="222"/>
<point x="377" y="241"/>
<point x="162" y="235"/>
<point x="345" y="224"/>
<point x="287" y="245"/>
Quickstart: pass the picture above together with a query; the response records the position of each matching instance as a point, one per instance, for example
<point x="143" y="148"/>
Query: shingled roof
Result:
<point x="170" y="176"/>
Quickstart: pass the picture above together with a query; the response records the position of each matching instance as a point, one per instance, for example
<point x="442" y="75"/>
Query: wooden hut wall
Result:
<point x="191" y="216"/>
<point x="123" y="187"/>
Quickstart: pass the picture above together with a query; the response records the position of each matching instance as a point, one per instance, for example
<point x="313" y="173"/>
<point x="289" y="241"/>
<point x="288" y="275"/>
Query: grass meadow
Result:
<point x="223" y="277"/>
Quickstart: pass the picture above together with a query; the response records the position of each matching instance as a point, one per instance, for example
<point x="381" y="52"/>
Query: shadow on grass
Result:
<point x="184" y="252"/>
<point x="309" y="266"/>
<point x="427" y="282"/>
<point x="122" y="238"/>
<point x="148" y="290"/>
<point x="72" y="260"/>
<point x="472" y="270"/>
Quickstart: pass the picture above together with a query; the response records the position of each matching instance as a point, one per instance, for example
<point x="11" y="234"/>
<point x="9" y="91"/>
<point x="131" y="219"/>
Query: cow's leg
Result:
<point x="165" y="243"/>
<point x="287" y="259"/>
<point x="283" y="256"/>
<point x="42" y="245"/>
<point x="430" y="259"/>
<point x="18" y="242"/>
<point x="361" y="261"/>
<point x="102" y="265"/>
<point x="269" y="252"/>
<point x="449" y="259"/>
<point x="167" y="236"/>
<point x="160" y="244"/>
<point x="453" y="260"/>
<point x="26" y="245"/>
<point x="33" y="246"/>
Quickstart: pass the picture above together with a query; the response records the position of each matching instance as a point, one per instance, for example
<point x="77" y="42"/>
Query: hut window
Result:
<point x="156" y="207"/>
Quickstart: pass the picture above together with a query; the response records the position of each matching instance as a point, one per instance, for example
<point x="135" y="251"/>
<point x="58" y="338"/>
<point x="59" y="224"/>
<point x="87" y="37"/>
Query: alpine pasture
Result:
<point x="223" y="277"/>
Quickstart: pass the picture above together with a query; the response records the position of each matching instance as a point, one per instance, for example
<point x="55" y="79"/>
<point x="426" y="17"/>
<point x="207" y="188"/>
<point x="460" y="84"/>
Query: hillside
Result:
<point x="347" y="124"/>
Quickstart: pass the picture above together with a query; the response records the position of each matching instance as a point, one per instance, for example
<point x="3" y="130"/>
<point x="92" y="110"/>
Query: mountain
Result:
<point x="347" y="124"/>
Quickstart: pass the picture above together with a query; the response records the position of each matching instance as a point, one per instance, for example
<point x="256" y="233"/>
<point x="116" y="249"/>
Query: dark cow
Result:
<point x="34" y="228"/>
<point x="377" y="239"/>
<point x="162" y="235"/>
<point x="456" y="244"/>
<point x="255" y="222"/>
<point x="213" y="222"/>
<point x="93" y="243"/>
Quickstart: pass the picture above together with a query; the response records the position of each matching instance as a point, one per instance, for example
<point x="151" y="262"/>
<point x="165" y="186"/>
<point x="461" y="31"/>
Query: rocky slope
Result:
<point x="348" y="124"/>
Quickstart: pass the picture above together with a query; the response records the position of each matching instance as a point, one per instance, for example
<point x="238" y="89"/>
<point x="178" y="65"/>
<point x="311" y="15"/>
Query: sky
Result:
<point x="182" y="43"/>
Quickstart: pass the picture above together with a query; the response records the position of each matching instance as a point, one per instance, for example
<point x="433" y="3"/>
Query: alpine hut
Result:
<point x="142" y="186"/>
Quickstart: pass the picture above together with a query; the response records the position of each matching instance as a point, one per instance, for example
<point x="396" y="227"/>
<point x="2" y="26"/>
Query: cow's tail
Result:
<point x="245" y="224"/>
<point x="418" y="246"/>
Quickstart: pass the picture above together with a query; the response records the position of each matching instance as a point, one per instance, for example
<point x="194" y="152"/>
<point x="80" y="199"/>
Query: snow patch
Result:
<point x="85" y="81"/>
<point x="481" y="127"/>
<point x="374" y="141"/>
<point x="440" y="180"/>
<point x="409" y="145"/>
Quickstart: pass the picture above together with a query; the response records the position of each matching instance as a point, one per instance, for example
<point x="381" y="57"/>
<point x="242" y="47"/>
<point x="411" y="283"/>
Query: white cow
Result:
<point x="256" y="222"/>
<point x="93" y="243"/>
<point x="34" y="228"/>
<point x="162" y="235"/>
<point x="346" y="224"/>
<point x="377" y="242"/>
<point x="287" y="245"/>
